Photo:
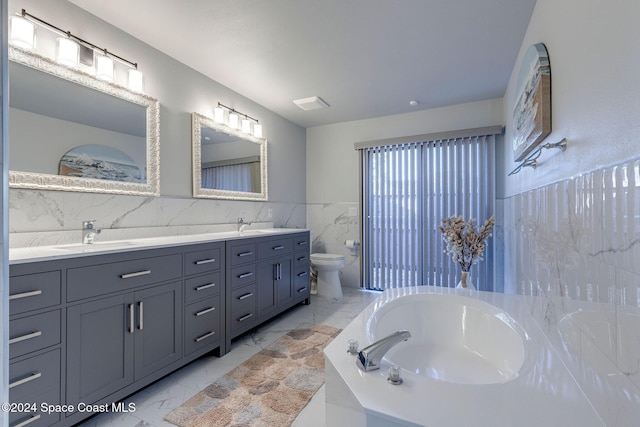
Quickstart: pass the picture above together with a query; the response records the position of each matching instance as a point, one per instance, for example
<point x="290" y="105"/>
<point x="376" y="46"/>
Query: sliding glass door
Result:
<point x="407" y="189"/>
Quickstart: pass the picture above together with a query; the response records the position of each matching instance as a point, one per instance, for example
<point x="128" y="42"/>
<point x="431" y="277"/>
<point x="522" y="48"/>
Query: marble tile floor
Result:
<point x="158" y="399"/>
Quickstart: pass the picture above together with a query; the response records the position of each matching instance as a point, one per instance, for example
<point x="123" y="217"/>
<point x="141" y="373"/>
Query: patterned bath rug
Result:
<point x="270" y="389"/>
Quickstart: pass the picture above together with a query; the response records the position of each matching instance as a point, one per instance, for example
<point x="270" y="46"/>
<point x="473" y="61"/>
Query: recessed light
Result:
<point x="313" y="103"/>
<point x="414" y="103"/>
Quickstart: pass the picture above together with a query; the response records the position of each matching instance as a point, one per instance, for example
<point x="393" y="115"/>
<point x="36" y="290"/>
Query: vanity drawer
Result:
<point x="243" y="275"/>
<point x="242" y="254"/>
<point x="301" y="258"/>
<point x="202" y="324"/>
<point x="35" y="380"/>
<point x="243" y="308"/>
<point x="34" y="291"/>
<point x="202" y="287"/>
<point x="274" y="248"/>
<point x="301" y="284"/>
<point x="85" y="282"/>
<point x="34" y="333"/>
<point x="202" y="261"/>
<point x="301" y="242"/>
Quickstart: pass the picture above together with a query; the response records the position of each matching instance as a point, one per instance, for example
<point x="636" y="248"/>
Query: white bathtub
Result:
<point x="474" y="358"/>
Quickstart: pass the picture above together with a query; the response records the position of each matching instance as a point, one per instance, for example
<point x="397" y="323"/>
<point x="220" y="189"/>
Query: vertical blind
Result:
<point x="407" y="189"/>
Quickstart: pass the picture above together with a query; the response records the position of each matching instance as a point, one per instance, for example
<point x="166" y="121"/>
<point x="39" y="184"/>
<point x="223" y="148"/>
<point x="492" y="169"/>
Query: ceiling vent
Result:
<point x="313" y="103"/>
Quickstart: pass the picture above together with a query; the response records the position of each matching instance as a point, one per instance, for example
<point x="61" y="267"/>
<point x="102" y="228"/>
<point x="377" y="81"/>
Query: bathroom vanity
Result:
<point x="92" y="324"/>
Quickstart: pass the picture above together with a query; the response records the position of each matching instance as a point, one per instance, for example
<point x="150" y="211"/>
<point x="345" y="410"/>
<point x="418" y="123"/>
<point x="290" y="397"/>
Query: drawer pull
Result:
<point x="245" y="275"/>
<point x="203" y="287"/>
<point x="136" y="274"/>
<point x="205" y="336"/>
<point x="205" y="261"/>
<point x="131" y="318"/>
<point x="304" y="273"/>
<point x="31" y="377"/>
<point x="28" y="421"/>
<point x="25" y="337"/>
<point x="303" y="243"/>
<point x="245" y="253"/>
<point x="278" y="248"/>
<point x="24" y="295"/>
<point x="302" y="290"/>
<point x="205" y="311"/>
<point x="302" y="258"/>
<point x="245" y="317"/>
<point x="245" y="296"/>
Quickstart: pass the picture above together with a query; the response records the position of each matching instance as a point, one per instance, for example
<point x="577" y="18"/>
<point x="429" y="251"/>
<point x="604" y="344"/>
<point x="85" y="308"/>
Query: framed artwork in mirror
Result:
<point x="532" y="106"/>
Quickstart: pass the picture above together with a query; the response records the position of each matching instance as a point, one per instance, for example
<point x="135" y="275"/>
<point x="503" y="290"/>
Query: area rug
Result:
<point x="270" y="389"/>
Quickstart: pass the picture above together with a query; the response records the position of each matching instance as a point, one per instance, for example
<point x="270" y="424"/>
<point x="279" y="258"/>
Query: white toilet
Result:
<point x="327" y="267"/>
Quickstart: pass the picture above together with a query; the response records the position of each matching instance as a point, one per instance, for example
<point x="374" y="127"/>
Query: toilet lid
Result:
<point x="327" y="257"/>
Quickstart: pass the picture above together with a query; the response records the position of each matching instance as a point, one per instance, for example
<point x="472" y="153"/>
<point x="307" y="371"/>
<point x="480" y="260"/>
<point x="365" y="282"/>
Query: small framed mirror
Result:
<point x="70" y="131"/>
<point x="227" y="163"/>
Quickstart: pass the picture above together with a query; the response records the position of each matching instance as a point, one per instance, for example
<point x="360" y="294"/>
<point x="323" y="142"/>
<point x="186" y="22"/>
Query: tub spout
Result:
<point x="369" y="357"/>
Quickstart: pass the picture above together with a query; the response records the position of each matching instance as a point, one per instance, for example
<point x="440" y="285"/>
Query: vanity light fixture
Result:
<point x="235" y="122"/>
<point x="68" y="49"/>
<point x="67" y="52"/>
<point x="104" y="67"/>
<point x="22" y="33"/>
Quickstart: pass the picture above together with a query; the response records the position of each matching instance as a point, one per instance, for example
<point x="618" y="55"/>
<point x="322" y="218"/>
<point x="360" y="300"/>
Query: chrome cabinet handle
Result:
<point x="24" y="295"/>
<point x="279" y="271"/>
<point x="131" y="319"/>
<point x="245" y="296"/>
<point x="203" y="287"/>
<point x="205" y="261"/>
<point x="29" y="421"/>
<point x="205" y="311"/>
<point x="141" y="314"/>
<point x="245" y="275"/>
<point x="303" y="243"/>
<point x="302" y="258"/>
<point x="205" y="336"/>
<point x="245" y="253"/>
<point x="245" y="317"/>
<point x="31" y="377"/>
<point x="278" y="248"/>
<point x="304" y="273"/>
<point x="302" y="290"/>
<point x="136" y="274"/>
<point x="25" y="337"/>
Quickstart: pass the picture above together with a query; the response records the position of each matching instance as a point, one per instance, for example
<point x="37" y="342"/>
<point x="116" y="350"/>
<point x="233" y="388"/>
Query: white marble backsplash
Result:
<point x="38" y="218"/>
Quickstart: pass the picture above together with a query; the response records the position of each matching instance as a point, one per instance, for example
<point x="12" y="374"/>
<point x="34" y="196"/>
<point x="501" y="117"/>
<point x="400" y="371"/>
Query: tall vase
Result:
<point x="465" y="281"/>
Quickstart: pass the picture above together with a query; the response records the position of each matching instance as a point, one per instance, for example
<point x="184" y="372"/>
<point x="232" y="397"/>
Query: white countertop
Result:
<point x="543" y="394"/>
<point x="49" y="253"/>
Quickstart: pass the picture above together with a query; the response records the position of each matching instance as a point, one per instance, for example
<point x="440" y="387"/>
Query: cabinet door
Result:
<point x="284" y="282"/>
<point x="266" y="288"/>
<point x="158" y="329"/>
<point x="100" y="339"/>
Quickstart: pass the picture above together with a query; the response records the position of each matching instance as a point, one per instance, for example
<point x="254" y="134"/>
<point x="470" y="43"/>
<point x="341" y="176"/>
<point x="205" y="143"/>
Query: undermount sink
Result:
<point x="95" y="246"/>
<point x="609" y="341"/>
<point x="454" y="338"/>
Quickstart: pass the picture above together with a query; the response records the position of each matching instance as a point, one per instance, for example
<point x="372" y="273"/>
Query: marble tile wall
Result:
<point x="575" y="245"/>
<point x="39" y="218"/>
<point x="332" y="224"/>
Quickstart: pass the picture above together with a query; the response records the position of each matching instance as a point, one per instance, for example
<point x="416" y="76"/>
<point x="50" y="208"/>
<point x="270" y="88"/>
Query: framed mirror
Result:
<point x="70" y="131"/>
<point x="227" y="163"/>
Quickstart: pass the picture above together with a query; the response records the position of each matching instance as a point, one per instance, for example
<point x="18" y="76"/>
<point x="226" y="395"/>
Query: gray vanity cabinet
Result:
<point x="35" y="341"/>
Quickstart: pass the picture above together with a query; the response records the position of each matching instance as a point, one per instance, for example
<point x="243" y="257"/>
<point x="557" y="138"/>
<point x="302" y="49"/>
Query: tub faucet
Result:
<point x="369" y="357"/>
<point x="242" y="224"/>
<point x="89" y="231"/>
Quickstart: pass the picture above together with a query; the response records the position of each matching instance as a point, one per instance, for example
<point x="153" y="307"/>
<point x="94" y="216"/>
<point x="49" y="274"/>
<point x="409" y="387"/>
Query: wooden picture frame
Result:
<point x="532" y="106"/>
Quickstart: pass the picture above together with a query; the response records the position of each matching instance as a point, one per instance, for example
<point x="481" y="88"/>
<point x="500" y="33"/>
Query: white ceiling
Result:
<point x="365" y="58"/>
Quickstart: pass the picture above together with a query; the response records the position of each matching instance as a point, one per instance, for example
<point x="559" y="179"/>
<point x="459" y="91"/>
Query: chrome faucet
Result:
<point x="89" y="231"/>
<point x="242" y="224"/>
<point x="369" y="357"/>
